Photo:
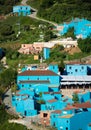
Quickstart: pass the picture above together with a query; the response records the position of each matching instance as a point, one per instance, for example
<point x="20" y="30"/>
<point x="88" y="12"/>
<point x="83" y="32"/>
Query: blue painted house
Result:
<point x="22" y="10"/>
<point x="37" y="78"/>
<point x="24" y="104"/>
<point x="82" y="27"/>
<point x="53" y="119"/>
<point x="76" y="69"/>
<point x="30" y="84"/>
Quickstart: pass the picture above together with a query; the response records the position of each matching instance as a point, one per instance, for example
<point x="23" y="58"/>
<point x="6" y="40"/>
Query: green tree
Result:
<point x="6" y="30"/>
<point x="40" y="94"/>
<point x="75" y="98"/>
<point x="70" y="33"/>
<point x="7" y="77"/>
<point x="48" y="35"/>
<point x="85" y="44"/>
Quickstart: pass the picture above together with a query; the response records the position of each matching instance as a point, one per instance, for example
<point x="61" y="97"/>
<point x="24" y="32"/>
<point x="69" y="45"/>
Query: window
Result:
<point x="22" y="85"/>
<point x="66" y="128"/>
<point x="45" y="115"/>
<point x="54" y="116"/>
<point x="70" y="67"/>
<point x="54" y="124"/>
<point x="82" y="67"/>
<point x="47" y="78"/>
<point x="53" y="67"/>
<point x="76" y="70"/>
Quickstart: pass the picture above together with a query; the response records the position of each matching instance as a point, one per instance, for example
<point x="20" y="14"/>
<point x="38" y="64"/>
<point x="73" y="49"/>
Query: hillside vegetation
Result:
<point x="62" y="10"/>
<point x="6" y="6"/>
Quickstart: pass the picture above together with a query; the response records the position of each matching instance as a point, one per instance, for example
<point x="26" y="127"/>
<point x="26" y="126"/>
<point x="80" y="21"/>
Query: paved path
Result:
<point x="7" y="101"/>
<point x="24" y="121"/>
<point x="34" y="14"/>
<point x="69" y="92"/>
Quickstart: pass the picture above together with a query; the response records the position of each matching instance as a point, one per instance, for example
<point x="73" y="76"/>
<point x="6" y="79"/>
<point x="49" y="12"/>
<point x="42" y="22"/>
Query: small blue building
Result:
<point x="46" y="52"/>
<point x="24" y="104"/>
<point x="82" y="27"/>
<point x="76" y="69"/>
<point x="37" y="78"/>
<point x="22" y="10"/>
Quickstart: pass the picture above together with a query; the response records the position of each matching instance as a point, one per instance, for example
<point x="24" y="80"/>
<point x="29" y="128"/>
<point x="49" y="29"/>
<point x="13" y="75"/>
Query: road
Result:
<point x="34" y="14"/>
<point x="7" y="101"/>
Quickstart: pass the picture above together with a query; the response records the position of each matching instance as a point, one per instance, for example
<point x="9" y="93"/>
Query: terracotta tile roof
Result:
<point x="34" y="81"/>
<point x="82" y="105"/>
<point x="70" y="107"/>
<point x="72" y="63"/>
<point x="57" y="111"/>
<point x="51" y="101"/>
<point x="46" y="92"/>
<point x="78" y="105"/>
<point x="76" y="91"/>
<point x="37" y="73"/>
<point x="67" y="116"/>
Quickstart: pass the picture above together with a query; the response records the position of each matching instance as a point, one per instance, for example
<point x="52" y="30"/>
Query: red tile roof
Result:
<point x="57" y="111"/>
<point x="78" y="105"/>
<point x="51" y="101"/>
<point x="69" y="107"/>
<point x="72" y="63"/>
<point x="83" y="105"/>
<point x="38" y="73"/>
<point x="46" y="92"/>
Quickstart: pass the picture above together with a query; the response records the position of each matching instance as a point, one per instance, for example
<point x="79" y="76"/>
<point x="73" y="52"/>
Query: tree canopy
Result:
<point x="63" y="10"/>
<point x="7" y="77"/>
<point x="85" y="44"/>
<point x="75" y="98"/>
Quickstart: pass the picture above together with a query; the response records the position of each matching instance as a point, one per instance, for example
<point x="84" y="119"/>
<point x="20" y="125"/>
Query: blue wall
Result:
<point x="54" y="68"/>
<point x="46" y="53"/>
<point x="54" y="120"/>
<point x="63" y="123"/>
<point x="22" y="10"/>
<point x="76" y="69"/>
<point x="80" y="121"/>
<point x="89" y="127"/>
<point x="53" y="80"/>
<point x="76" y="122"/>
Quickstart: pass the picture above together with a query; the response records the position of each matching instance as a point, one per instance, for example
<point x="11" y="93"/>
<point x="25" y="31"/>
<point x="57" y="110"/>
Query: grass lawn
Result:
<point x="23" y="60"/>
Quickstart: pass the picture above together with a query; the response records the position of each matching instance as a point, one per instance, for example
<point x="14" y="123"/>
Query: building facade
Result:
<point x="22" y="10"/>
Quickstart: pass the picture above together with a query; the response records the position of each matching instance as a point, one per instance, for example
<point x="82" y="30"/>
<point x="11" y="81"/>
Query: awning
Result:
<point x="68" y="80"/>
